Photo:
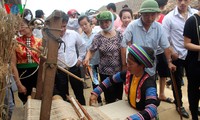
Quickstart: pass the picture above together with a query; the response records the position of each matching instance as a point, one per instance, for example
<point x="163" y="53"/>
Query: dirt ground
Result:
<point x="166" y="111"/>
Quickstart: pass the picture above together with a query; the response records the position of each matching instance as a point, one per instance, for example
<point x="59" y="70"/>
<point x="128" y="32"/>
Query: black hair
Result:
<point x="39" y="13"/>
<point x="111" y="6"/>
<point x="125" y="6"/>
<point x="65" y="17"/>
<point x="25" y="14"/>
<point x="82" y="17"/>
<point x="126" y="10"/>
<point x="162" y="3"/>
<point x="149" y="51"/>
<point x="135" y="59"/>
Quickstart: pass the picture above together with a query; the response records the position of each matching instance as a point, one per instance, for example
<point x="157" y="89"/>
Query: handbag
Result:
<point x="197" y="34"/>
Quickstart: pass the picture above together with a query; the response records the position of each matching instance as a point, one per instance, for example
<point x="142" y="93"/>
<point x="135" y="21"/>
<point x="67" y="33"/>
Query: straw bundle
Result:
<point x="8" y="23"/>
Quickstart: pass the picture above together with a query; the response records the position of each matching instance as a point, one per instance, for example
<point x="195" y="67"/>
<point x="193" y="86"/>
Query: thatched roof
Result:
<point x="135" y="5"/>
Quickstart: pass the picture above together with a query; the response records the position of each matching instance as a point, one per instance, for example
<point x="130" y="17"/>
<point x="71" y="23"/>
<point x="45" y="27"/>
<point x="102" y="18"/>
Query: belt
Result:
<point x="68" y="68"/>
<point x="27" y="65"/>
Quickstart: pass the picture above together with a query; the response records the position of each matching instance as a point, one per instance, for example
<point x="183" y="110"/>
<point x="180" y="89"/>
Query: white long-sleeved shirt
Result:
<point x="174" y="23"/>
<point x="72" y="41"/>
<point x="38" y="32"/>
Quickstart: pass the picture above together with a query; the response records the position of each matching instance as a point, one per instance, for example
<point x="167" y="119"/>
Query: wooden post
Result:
<point x="53" y="21"/>
<point x="40" y="80"/>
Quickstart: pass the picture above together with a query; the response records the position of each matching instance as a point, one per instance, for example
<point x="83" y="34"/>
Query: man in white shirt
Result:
<point x="73" y="20"/>
<point x="174" y="23"/>
<point x="112" y="8"/>
<point x="39" y="15"/>
<point x="68" y="54"/>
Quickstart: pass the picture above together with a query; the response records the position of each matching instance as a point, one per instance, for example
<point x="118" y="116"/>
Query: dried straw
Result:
<point x="8" y="23"/>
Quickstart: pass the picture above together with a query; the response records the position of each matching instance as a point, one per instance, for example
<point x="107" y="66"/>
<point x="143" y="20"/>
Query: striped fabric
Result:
<point x="139" y="53"/>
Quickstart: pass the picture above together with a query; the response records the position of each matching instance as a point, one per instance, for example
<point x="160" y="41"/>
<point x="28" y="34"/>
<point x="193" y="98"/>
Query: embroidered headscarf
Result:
<point x="141" y="55"/>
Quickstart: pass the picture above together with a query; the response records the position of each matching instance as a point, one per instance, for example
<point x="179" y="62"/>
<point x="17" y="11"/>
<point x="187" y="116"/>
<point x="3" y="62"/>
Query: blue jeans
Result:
<point x="95" y="82"/>
<point x="9" y="101"/>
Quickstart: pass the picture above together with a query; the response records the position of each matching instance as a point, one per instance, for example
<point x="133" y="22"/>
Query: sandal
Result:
<point x="168" y="100"/>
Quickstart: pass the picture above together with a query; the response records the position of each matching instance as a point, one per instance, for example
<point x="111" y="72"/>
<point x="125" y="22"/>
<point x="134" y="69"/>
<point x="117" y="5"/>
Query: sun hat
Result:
<point x="141" y="55"/>
<point x="149" y="6"/>
<point x="105" y="15"/>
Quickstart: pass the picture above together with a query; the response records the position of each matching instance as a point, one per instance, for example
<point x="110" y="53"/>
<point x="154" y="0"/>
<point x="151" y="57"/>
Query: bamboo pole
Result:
<point x="71" y="74"/>
<point x="84" y="111"/>
<point x="90" y="72"/>
<point x="60" y="68"/>
<point x="76" y="107"/>
<point x="176" y="93"/>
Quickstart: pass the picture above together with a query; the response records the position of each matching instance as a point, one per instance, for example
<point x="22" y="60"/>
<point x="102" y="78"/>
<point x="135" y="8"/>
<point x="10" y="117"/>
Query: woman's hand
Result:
<point x="124" y="67"/>
<point x="93" y="100"/>
<point x="21" y="89"/>
<point x="86" y="62"/>
<point x="78" y="63"/>
<point x="86" y="70"/>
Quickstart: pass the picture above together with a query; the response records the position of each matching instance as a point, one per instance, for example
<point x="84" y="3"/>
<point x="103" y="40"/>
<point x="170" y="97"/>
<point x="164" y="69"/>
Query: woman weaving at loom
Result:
<point x="141" y="87"/>
<point x="25" y="61"/>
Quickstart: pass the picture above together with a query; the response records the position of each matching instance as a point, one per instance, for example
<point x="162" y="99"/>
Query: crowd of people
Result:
<point x="125" y="55"/>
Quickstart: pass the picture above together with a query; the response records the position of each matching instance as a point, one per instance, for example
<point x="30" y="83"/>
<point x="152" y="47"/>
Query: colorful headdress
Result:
<point x="141" y="55"/>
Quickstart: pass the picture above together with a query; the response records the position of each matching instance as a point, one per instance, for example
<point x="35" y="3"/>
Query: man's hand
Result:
<point x="171" y="66"/>
<point x="93" y="100"/>
<point x="174" y="56"/>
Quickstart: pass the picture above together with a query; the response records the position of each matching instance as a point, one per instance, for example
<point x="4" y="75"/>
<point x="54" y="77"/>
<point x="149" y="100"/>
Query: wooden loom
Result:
<point x="47" y="68"/>
<point x="41" y="105"/>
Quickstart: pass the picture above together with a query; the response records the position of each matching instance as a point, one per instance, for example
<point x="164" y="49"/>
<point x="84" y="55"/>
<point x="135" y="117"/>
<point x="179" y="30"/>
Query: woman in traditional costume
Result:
<point x="24" y="60"/>
<point x="141" y="87"/>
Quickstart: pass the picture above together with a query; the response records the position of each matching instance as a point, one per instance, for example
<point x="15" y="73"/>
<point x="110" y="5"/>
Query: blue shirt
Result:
<point x="154" y="37"/>
<point x="88" y="40"/>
